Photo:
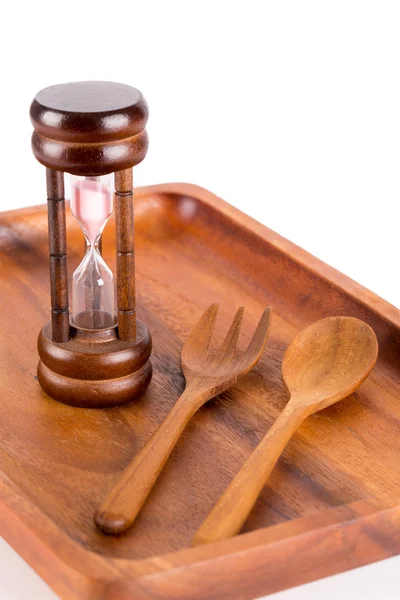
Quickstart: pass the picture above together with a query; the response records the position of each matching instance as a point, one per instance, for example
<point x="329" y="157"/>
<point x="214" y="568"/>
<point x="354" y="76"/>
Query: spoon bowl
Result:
<point x="328" y="360"/>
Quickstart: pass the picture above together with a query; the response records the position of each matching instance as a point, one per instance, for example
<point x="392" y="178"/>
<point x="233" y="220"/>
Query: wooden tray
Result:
<point x="332" y="502"/>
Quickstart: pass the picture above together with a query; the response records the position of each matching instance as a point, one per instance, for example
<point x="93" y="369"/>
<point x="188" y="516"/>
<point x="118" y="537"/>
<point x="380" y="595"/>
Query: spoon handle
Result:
<point x="122" y="505"/>
<point x="232" y="509"/>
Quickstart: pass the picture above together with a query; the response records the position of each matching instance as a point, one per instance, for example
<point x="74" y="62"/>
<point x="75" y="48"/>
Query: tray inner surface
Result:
<point x="188" y="256"/>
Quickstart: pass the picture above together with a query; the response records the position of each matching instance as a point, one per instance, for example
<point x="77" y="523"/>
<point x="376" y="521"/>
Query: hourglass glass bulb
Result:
<point x="93" y="303"/>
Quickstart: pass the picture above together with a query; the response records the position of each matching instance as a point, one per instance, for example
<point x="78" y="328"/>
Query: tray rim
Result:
<point x="86" y="572"/>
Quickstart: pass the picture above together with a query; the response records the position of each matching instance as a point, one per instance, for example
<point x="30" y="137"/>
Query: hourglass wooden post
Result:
<point x="92" y="353"/>
<point x="58" y="256"/>
<point x="125" y="255"/>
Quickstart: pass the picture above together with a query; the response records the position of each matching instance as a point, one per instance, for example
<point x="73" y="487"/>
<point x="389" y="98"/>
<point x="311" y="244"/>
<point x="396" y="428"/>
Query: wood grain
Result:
<point x="332" y="501"/>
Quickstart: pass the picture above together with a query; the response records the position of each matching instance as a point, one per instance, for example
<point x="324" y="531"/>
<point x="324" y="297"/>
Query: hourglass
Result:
<point x="92" y="282"/>
<point x="98" y="353"/>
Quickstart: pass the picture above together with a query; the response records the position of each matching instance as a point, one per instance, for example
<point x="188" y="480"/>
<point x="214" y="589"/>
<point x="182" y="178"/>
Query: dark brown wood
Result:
<point x="332" y="502"/>
<point x="207" y="375"/>
<point x="124" y="185"/>
<point x="59" y="291"/>
<point x="55" y="191"/>
<point x="125" y="255"/>
<point x="58" y="256"/>
<point x="94" y="369"/>
<point x="127" y="324"/>
<point x="125" y="281"/>
<point x="89" y="127"/>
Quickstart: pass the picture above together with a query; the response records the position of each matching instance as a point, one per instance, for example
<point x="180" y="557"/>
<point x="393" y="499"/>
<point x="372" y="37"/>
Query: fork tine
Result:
<point x="228" y="346"/>
<point x="200" y="336"/>
<point x="257" y="342"/>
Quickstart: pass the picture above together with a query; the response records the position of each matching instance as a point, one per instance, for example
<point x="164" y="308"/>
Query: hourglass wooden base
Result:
<point x="94" y="369"/>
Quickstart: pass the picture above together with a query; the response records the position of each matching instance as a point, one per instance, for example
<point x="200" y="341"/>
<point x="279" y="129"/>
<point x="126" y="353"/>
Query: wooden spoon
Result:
<point x="325" y="363"/>
<point x="207" y="374"/>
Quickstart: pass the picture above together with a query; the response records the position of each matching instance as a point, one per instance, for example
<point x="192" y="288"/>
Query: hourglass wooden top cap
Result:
<point x="89" y="127"/>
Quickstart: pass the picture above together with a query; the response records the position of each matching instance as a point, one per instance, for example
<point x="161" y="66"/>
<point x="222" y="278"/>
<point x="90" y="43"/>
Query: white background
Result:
<point x="288" y="110"/>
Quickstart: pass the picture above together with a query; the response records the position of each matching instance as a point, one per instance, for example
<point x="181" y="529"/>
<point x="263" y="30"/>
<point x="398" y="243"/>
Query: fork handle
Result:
<point x="232" y="509"/>
<point x="122" y="505"/>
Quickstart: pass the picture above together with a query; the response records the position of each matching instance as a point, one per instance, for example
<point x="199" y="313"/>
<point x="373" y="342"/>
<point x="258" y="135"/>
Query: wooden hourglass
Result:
<point x="95" y="355"/>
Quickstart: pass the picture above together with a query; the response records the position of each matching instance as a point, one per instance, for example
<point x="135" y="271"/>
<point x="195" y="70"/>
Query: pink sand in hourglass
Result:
<point x="91" y="205"/>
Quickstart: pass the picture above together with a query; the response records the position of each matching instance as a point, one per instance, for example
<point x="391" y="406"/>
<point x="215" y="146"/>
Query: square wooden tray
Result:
<point x="332" y="502"/>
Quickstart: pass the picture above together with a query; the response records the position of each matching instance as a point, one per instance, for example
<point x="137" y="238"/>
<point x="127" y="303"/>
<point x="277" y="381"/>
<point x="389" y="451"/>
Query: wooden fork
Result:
<point x="207" y="375"/>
